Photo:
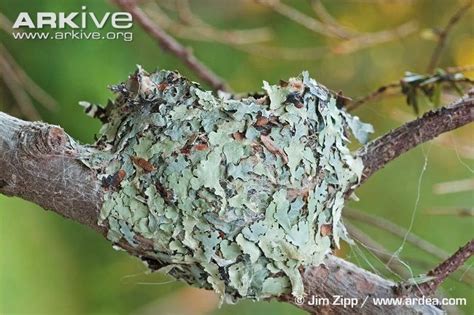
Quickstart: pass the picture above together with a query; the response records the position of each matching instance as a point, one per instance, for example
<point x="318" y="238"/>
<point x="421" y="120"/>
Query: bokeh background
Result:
<point x="49" y="265"/>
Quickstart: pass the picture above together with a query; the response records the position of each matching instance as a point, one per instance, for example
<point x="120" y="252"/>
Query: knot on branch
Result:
<point x="40" y="140"/>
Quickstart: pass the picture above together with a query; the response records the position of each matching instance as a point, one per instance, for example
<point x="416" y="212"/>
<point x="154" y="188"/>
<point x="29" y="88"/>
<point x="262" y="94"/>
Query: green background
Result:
<point x="49" y="265"/>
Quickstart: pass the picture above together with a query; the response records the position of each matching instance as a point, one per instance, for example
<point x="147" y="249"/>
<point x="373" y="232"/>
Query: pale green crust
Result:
<point x="234" y="195"/>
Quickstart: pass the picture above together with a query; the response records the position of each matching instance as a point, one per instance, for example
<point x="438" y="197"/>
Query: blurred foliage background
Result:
<point x="49" y="265"/>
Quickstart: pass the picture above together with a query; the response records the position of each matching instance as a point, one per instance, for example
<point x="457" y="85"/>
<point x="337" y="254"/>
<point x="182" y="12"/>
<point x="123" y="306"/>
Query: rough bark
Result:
<point x="40" y="163"/>
<point x="338" y="279"/>
<point x="388" y="147"/>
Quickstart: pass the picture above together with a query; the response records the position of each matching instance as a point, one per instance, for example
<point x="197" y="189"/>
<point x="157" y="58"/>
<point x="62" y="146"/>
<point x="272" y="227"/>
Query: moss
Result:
<point x="234" y="194"/>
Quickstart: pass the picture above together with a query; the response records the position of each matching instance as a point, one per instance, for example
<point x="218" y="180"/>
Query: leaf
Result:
<point x="144" y="164"/>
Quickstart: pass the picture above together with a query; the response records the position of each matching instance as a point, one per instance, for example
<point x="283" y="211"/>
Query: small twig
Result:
<point x="455" y="69"/>
<point x="371" y="39"/>
<point x="5" y="23"/>
<point x="14" y="85"/>
<point x="300" y="18"/>
<point x="329" y="20"/>
<point x="401" y="232"/>
<point x="396" y="230"/>
<point x="460" y="212"/>
<point x="448" y="75"/>
<point x="27" y="83"/>
<point x="443" y="270"/>
<point x="192" y="27"/>
<point x="454" y="186"/>
<point x="351" y="41"/>
<point x="170" y="45"/>
<point x="373" y="95"/>
<point x="464" y="150"/>
<point x="19" y="83"/>
<point x="379" y="251"/>
<point x="443" y="35"/>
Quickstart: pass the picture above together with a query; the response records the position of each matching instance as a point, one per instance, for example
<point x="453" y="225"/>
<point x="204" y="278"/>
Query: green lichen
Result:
<point x="233" y="195"/>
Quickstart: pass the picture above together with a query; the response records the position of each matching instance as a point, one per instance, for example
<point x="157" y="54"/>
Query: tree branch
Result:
<point x="338" y="277"/>
<point x="388" y="147"/>
<point x="170" y="45"/>
<point x="443" y="35"/>
<point x="39" y="163"/>
<point x="443" y="270"/>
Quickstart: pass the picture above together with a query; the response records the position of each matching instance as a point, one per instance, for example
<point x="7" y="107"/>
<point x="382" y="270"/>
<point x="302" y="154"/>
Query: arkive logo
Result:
<point x="82" y="25"/>
<point x="73" y="20"/>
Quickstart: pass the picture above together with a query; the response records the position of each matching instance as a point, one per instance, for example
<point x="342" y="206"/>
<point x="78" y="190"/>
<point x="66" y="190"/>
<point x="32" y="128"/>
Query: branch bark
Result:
<point x="41" y="163"/>
<point x="388" y="147"/>
<point x="443" y="270"/>
<point x="38" y="162"/>
<point x="338" y="277"/>
<point x="170" y="45"/>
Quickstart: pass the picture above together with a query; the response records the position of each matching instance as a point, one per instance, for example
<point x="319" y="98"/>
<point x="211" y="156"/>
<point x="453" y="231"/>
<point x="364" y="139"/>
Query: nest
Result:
<point x="233" y="194"/>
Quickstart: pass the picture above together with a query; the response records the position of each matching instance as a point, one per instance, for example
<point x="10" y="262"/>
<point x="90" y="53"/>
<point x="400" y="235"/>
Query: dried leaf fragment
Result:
<point x="270" y="145"/>
<point x="144" y="164"/>
<point x="114" y="180"/>
<point x="326" y="229"/>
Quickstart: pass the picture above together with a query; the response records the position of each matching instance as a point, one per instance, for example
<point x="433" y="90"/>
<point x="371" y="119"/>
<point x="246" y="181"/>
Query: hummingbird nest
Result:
<point x="233" y="194"/>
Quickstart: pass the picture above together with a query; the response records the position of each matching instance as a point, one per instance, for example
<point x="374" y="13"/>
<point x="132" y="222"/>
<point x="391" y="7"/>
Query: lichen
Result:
<point x="233" y="194"/>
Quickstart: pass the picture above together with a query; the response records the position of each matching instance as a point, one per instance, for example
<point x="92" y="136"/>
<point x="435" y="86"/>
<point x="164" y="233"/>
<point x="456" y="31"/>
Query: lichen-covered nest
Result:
<point x="234" y="194"/>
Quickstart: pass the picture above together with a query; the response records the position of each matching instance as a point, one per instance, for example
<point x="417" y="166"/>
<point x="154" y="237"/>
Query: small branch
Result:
<point x="373" y="95"/>
<point x="443" y="270"/>
<point x="379" y="152"/>
<point x="12" y="82"/>
<point x="396" y="230"/>
<point x="392" y="228"/>
<point x="321" y="12"/>
<point x="393" y="264"/>
<point x="451" y="75"/>
<point x="192" y="27"/>
<point x="27" y="84"/>
<point x="170" y="45"/>
<point x="372" y="39"/>
<point x="304" y="20"/>
<point x="443" y="35"/>
<point x="350" y="40"/>
<point x="454" y="186"/>
<point x="458" y="212"/>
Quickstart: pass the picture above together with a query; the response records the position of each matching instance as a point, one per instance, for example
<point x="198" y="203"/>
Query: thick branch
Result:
<point x="338" y="277"/>
<point x="388" y="147"/>
<point x="38" y="162"/>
